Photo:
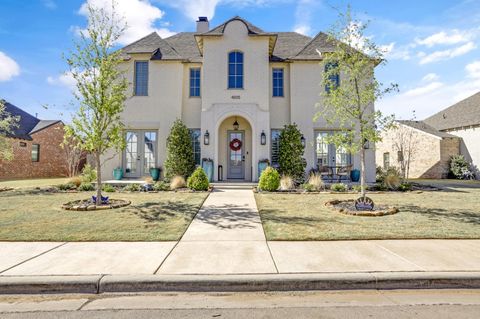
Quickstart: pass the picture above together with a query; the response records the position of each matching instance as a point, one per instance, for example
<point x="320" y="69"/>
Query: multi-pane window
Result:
<point x="149" y="151"/>
<point x="329" y="154"/>
<point x="333" y="80"/>
<point x="195" y="82"/>
<point x="321" y="149"/>
<point x="275" y="144"/>
<point x="141" y="78"/>
<point x="35" y="152"/>
<point x="386" y="160"/>
<point x="277" y="75"/>
<point x="195" y="135"/>
<point x="235" y="70"/>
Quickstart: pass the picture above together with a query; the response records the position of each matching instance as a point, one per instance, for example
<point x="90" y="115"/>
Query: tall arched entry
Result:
<point x="235" y="148"/>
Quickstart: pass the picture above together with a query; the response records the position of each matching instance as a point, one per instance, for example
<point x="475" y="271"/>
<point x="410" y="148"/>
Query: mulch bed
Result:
<point x="87" y="204"/>
<point x="347" y="207"/>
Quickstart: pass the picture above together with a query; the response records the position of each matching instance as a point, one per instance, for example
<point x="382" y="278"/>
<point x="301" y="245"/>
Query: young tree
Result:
<point x="180" y="159"/>
<point x="7" y="124"/>
<point x="406" y="145"/>
<point x="74" y="154"/>
<point x="290" y="152"/>
<point x="350" y="104"/>
<point x="101" y="87"/>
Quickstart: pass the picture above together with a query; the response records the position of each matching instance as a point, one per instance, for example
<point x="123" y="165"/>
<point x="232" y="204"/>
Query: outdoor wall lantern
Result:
<point x="236" y="125"/>
<point x="263" y="138"/>
<point x="366" y="144"/>
<point x="302" y="140"/>
<point x="206" y="138"/>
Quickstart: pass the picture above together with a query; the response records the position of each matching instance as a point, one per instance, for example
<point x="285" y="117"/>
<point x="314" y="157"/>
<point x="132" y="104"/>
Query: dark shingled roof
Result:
<point x="422" y="126"/>
<point x="27" y="124"/>
<point x="221" y="28"/>
<point x="183" y="46"/>
<point x="462" y="114"/>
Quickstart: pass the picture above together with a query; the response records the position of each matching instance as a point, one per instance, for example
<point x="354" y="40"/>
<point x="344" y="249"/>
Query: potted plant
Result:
<point x="155" y="173"/>
<point x="118" y="173"/>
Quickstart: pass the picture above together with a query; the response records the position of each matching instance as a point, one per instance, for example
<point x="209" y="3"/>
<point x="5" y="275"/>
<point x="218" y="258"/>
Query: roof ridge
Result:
<point x="309" y="43"/>
<point x="135" y="42"/>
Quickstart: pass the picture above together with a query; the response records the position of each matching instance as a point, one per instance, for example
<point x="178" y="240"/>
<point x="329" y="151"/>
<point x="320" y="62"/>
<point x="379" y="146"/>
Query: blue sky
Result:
<point x="434" y="52"/>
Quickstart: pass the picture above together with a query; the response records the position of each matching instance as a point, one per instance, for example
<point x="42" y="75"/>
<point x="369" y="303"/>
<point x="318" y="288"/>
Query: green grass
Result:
<point x="32" y="215"/>
<point x="452" y="213"/>
<point x="31" y="183"/>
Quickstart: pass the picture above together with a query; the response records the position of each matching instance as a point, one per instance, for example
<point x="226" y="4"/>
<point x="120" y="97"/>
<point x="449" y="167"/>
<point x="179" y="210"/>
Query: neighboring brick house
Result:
<point x="463" y="120"/>
<point x="36" y="148"/>
<point x="431" y="149"/>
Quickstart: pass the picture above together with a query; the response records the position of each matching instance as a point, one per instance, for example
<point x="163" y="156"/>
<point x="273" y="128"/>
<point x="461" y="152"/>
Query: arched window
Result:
<point x="235" y="70"/>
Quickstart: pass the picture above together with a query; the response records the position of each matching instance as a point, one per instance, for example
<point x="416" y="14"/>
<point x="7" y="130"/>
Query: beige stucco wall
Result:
<point x="431" y="154"/>
<point x="470" y="146"/>
<point x="191" y="106"/>
<point x="280" y="106"/>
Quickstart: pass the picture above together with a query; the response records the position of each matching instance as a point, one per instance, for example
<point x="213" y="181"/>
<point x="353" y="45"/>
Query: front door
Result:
<point x="235" y="153"/>
<point x="140" y="153"/>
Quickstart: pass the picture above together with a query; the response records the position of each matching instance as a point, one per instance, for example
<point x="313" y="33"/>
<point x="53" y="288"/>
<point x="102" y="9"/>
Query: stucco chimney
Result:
<point x="202" y="25"/>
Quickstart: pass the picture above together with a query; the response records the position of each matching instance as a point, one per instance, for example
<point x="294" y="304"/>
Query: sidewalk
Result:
<point x="225" y="245"/>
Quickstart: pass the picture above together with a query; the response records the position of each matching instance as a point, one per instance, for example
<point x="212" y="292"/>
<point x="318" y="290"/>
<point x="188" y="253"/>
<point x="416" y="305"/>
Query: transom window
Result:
<point x="195" y="82"/>
<point x="277" y="82"/>
<point x="235" y="70"/>
<point x="141" y="78"/>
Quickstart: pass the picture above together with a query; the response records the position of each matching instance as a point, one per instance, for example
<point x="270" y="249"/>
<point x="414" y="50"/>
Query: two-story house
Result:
<point x="235" y="86"/>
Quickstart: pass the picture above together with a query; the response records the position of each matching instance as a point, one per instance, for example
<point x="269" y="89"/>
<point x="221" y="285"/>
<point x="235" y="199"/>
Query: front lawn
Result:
<point x="451" y="213"/>
<point x="33" y="215"/>
<point x="31" y="183"/>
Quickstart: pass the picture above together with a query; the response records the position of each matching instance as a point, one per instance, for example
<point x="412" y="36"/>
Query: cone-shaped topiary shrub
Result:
<point x="180" y="160"/>
<point x="290" y="152"/>
<point x="198" y="181"/>
<point x="269" y="180"/>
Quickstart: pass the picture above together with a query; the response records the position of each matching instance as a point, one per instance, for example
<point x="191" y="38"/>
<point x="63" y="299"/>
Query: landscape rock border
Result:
<point x="353" y="212"/>
<point x="86" y="204"/>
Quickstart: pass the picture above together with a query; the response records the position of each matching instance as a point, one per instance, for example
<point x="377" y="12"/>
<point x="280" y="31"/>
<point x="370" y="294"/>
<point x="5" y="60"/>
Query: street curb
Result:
<point x="49" y="284"/>
<point x="238" y="283"/>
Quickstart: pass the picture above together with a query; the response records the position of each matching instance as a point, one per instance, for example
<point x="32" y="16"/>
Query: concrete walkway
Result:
<point x="226" y="237"/>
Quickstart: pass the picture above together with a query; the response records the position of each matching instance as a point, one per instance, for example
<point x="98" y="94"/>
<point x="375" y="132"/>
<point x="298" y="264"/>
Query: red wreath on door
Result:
<point x="235" y="144"/>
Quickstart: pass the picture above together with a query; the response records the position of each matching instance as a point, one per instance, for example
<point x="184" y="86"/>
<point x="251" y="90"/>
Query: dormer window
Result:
<point x="235" y="70"/>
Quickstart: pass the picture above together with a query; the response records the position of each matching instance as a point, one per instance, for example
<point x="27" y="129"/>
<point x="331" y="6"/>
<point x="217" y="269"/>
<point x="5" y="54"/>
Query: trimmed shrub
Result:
<point x="89" y="174"/>
<point x="290" y="152"/>
<point x="308" y="187"/>
<point x="315" y="180"/>
<point x="161" y="186"/>
<point x="108" y="188"/>
<point x="269" y="180"/>
<point x="198" y="181"/>
<point x="177" y="182"/>
<point x="86" y="187"/>
<point x="339" y="187"/>
<point x="67" y="187"/>
<point x="286" y="183"/>
<point x="75" y="180"/>
<point x="357" y="188"/>
<point x="405" y="187"/>
<point x="180" y="159"/>
<point x="460" y="168"/>
<point x="134" y="187"/>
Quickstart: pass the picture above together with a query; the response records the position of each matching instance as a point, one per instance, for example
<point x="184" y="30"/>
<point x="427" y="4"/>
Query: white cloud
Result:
<point x="446" y="54"/>
<point x="49" y="4"/>
<point x="453" y="37"/>
<point x="140" y="16"/>
<point x="65" y="79"/>
<point x="421" y="90"/>
<point x="303" y="17"/>
<point x="430" y="77"/>
<point x="9" y="68"/>
<point x="473" y="69"/>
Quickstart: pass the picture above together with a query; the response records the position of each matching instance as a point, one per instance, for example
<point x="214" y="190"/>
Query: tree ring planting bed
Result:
<point x="347" y="207"/>
<point x="87" y="204"/>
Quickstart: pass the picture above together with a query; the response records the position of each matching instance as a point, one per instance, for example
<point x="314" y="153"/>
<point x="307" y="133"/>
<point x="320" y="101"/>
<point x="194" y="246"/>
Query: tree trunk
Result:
<point x="99" y="179"/>
<point x="362" y="172"/>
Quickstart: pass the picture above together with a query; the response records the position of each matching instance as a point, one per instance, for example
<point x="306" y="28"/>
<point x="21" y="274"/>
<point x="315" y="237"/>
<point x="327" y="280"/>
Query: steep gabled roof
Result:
<point x="462" y="114"/>
<point x="311" y="50"/>
<point x="27" y="124"/>
<point x="152" y="44"/>
<point x="184" y="43"/>
<point x="288" y="45"/>
<point x="424" y="127"/>
<point x="219" y="30"/>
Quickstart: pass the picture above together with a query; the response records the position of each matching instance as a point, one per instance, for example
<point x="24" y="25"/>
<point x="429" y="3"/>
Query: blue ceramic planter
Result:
<point x="355" y="175"/>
